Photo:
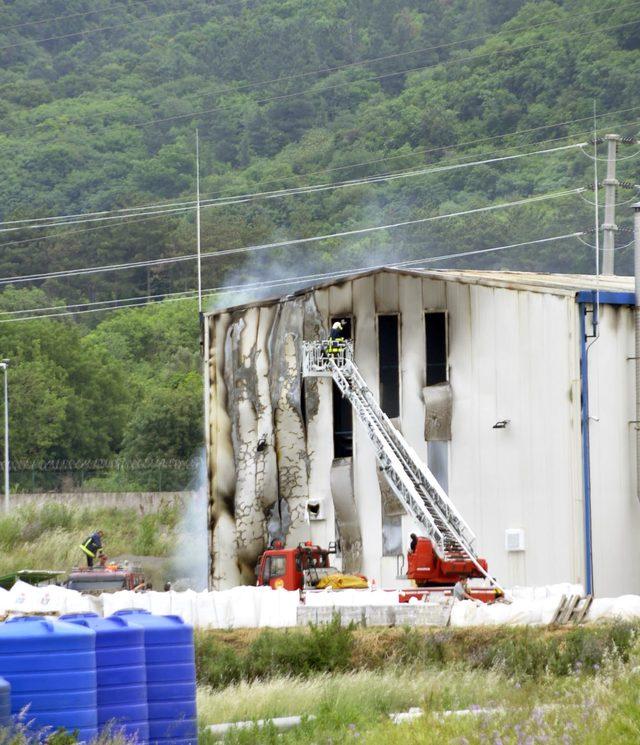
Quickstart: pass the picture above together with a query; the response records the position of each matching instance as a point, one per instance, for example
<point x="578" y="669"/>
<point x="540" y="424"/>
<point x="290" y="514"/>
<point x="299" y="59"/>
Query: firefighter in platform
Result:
<point x="336" y="339"/>
<point x="92" y="547"/>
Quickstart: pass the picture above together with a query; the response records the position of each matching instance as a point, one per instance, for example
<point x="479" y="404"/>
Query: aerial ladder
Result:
<point x="412" y="482"/>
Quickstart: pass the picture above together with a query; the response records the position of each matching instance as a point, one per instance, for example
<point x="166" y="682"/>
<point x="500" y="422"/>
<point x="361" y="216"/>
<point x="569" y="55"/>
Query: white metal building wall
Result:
<point x="615" y="508"/>
<point x="512" y="355"/>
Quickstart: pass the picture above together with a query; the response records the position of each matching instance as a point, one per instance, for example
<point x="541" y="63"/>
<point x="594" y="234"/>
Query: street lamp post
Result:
<point x="4" y="365"/>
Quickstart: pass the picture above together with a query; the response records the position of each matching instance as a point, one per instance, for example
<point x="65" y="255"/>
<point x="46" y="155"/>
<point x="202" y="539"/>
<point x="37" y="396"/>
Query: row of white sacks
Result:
<point x="254" y="607"/>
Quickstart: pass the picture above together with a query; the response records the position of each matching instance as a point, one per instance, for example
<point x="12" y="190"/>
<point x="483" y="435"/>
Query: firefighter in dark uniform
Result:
<point x="92" y="546"/>
<point x="336" y="338"/>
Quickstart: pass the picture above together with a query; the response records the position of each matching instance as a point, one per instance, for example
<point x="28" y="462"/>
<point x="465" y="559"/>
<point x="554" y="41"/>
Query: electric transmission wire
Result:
<point x="353" y="165"/>
<point x="280" y="244"/>
<point x="315" y="91"/>
<point x="70" y="15"/>
<point x="227" y="289"/>
<point x="121" y="214"/>
<point x="132" y="22"/>
<point x="131" y="219"/>
<point x="383" y="76"/>
<point x="340" y="168"/>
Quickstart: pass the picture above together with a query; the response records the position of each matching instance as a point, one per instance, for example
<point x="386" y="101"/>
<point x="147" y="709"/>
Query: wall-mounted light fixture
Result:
<point x="501" y="424"/>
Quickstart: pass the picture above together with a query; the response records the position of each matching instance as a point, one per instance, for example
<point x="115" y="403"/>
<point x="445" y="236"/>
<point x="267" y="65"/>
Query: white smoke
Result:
<point x="190" y="560"/>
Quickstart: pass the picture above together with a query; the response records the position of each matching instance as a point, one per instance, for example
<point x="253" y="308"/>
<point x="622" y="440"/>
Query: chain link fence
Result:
<point x="101" y="475"/>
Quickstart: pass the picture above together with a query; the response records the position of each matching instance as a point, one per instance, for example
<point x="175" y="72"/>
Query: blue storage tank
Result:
<point x="5" y="702"/>
<point x="171" y="677"/>
<point x="51" y="667"/>
<point x="121" y="674"/>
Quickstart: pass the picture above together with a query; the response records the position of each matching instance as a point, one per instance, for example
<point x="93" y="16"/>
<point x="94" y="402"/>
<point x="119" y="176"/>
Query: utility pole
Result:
<point x="198" y="222"/>
<point x="609" y="226"/>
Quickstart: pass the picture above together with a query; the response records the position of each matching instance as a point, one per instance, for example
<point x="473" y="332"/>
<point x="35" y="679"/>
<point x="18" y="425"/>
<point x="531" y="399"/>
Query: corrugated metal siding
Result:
<point x="510" y="359"/>
<point x="615" y="508"/>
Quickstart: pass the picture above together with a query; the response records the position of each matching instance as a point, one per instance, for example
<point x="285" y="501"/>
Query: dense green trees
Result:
<point x="102" y="119"/>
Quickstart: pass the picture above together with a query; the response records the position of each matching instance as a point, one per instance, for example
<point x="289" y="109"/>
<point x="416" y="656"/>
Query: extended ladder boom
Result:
<point x="413" y="483"/>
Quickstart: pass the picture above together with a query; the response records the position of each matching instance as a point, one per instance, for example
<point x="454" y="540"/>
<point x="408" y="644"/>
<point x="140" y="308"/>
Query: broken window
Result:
<point x="342" y="415"/>
<point x="391" y="535"/>
<point x="389" y="365"/>
<point x="436" y="341"/>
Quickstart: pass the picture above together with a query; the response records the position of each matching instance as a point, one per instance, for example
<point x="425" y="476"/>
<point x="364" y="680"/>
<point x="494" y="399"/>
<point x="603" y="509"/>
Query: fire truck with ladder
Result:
<point x="445" y="554"/>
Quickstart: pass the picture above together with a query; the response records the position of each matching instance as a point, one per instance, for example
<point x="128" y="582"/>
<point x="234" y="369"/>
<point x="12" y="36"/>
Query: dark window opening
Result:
<point x="389" y="365"/>
<point x="342" y="415"/>
<point x="436" y="339"/>
<point x="303" y="403"/>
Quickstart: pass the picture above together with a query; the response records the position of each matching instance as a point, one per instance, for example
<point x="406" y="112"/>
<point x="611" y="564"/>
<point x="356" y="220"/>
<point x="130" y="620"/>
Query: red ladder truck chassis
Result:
<point x="302" y="567"/>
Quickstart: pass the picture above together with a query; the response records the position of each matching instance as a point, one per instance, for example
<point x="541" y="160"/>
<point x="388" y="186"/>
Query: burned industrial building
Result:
<point x="494" y="378"/>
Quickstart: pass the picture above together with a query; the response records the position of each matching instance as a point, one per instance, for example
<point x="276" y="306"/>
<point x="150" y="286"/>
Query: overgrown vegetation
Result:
<point x="509" y="694"/>
<point x="48" y="537"/>
<point x="129" y="389"/>
<point x="519" y="653"/>
<point x="104" y="119"/>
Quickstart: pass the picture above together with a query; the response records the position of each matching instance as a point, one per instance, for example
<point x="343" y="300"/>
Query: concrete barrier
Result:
<point x="423" y="614"/>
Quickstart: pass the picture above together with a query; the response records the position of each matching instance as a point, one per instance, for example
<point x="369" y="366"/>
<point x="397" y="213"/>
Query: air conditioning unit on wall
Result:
<point x="514" y="539"/>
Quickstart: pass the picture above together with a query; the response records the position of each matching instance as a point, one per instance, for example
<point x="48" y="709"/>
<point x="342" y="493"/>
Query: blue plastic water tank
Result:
<point x="5" y="702"/>
<point x="51" y="667"/>
<point x="171" y="676"/>
<point x="121" y="674"/>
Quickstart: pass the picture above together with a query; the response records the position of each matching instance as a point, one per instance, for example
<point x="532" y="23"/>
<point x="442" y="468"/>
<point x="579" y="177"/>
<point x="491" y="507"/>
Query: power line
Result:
<point x="371" y="162"/>
<point x="282" y="244"/>
<point x="65" y="233"/>
<point x="306" y="91"/>
<point x="423" y="151"/>
<point x="404" y="223"/>
<point x="37" y="223"/>
<point x="427" y="151"/>
<point x="70" y="15"/>
<point x="85" y="32"/>
<point x="169" y="297"/>
<point x="372" y="60"/>
<point x="95" y="219"/>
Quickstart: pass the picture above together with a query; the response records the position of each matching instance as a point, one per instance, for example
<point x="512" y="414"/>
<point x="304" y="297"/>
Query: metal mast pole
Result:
<point x="5" y="365"/>
<point x="198" y="222"/>
<point x="609" y="226"/>
<point x="636" y="262"/>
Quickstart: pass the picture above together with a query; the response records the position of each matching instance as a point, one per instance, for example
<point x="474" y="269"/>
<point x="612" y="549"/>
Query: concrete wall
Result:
<point x="513" y="355"/>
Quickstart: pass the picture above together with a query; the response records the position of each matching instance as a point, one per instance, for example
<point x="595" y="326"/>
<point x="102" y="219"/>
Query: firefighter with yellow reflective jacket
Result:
<point x="336" y="339"/>
<point x="92" y="546"/>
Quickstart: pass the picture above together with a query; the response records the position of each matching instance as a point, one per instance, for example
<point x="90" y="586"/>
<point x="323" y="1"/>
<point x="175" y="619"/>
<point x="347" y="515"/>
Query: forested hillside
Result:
<point x="99" y="102"/>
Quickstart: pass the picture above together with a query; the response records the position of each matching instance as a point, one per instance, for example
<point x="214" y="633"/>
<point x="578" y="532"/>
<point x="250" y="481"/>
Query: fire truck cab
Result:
<point x="293" y="568"/>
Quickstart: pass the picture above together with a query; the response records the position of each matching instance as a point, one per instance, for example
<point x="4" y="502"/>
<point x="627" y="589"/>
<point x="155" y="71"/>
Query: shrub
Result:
<point x="272" y="653"/>
<point x="324" y="648"/>
<point x="217" y="664"/>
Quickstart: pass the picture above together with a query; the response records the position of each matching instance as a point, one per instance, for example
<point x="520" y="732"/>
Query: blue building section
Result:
<point x="594" y="298"/>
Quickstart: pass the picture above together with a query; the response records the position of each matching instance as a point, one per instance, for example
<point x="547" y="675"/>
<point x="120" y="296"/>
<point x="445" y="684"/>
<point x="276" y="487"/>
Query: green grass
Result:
<point x="48" y="537"/>
<point x="520" y="653"/>
<point x="350" y="706"/>
<point x="593" y="708"/>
